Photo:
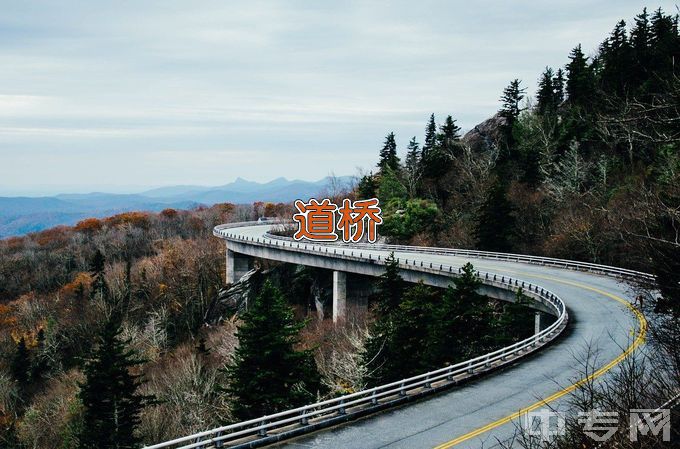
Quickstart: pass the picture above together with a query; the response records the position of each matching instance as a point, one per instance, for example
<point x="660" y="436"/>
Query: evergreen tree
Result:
<point x="510" y="110"/>
<point x="391" y="287"/>
<point x="558" y="87"/>
<point x="511" y="100"/>
<point x="515" y="321"/>
<point x="412" y="167"/>
<point x="377" y="357"/>
<point x="100" y="289"/>
<point x="665" y="43"/>
<point x="267" y="374"/>
<point x="463" y="321"/>
<point x="111" y="402"/>
<point x="579" y="84"/>
<point x="439" y="148"/>
<point x="397" y="339"/>
<point x="391" y="187"/>
<point x="388" y="154"/>
<point x="40" y="363"/>
<point x="545" y="96"/>
<point x="367" y="187"/>
<point x="449" y="137"/>
<point x="21" y="363"/>
<point x="531" y="166"/>
<point x="640" y="47"/>
<point x="615" y="57"/>
<point x="495" y="224"/>
<point x="430" y="137"/>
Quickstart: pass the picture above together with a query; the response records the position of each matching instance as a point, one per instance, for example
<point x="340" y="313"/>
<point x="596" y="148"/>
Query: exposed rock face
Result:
<point x="313" y="293"/>
<point x="231" y="299"/>
<point x="485" y="136"/>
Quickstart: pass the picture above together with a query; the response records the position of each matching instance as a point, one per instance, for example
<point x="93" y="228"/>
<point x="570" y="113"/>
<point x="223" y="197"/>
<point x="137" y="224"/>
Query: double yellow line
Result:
<point x="639" y="339"/>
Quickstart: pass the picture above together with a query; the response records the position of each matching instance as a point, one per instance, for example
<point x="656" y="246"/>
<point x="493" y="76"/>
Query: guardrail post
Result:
<point x="262" y="431"/>
<point x="402" y="392"/>
<point x="470" y="370"/>
<point x="341" y="410"/>
<point x="374" y="400"/>
<point x="427" y="382"/>
<point x="220" y="443"/>
<point x="303" y="418"/>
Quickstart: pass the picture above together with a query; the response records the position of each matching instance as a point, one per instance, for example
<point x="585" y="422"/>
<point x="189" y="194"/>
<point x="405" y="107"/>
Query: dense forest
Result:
<point x="586" y="169"/>
<point x="120" y="331"/>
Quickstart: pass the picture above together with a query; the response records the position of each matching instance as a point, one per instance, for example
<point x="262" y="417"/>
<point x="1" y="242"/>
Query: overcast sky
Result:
<point x="122" y="95"/>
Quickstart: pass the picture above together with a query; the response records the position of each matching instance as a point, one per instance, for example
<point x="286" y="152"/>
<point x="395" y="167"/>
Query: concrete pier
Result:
<point x="237" y="266"/>
<point x="339" y="296"/>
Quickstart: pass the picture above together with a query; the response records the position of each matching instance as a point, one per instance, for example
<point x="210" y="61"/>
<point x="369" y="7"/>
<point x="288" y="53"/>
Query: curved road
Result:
<point x="483" y="412"/>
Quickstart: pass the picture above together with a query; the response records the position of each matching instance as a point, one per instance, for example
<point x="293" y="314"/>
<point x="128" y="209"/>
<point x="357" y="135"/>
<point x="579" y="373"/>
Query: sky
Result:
<point x="121" y="96"/>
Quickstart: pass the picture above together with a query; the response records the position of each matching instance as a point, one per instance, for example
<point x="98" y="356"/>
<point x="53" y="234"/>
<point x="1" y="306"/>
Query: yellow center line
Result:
<point x="638" y="340"/>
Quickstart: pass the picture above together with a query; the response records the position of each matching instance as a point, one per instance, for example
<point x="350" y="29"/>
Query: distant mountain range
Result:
<point x="21" y="215"/>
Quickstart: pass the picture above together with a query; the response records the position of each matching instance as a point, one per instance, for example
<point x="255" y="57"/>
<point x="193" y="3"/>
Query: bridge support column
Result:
<point x="237" y="266"/>
<point x="339" y="296"/>
<point x="537" y="322"/>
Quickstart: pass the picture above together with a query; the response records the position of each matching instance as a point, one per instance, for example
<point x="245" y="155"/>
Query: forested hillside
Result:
<point x="586" y="168"/>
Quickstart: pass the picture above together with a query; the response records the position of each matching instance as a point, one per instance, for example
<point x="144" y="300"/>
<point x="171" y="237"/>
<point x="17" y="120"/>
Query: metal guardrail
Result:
<point x="536" y="260"/>
<point x="273" y="427"/>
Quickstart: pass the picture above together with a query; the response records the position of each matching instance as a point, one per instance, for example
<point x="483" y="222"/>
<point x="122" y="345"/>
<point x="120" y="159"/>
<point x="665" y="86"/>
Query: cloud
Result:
<point x="169" y="87"/>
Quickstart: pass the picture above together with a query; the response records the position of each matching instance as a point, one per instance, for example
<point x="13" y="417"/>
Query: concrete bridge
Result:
<point x="341" y="260"/>
<point x="469" y="410"/>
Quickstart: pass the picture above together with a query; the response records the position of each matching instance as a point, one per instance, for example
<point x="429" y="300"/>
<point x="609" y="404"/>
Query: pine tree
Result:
<point x="511" y="100"/>
<point x="615" y="56"/>
<point x="430" y="137"/>
<point x="100" y="289"/>
<point x="388" y="154"/>
<point x="391" y="187"/>
<point x="558" y="86"/>
<point x="109" y="395"/>
<point x="665" y="43"/>
<point x="640" y="46"/>
<point x="495" y="224"/>
<point x="510" y="110"/>
<point x="545" y="96"/>
<point x="462" y="324"/>
<point x="367" y="187"/>
<point x="449" y="137"/>
<point x="395" y="349"/>
<point x="21" y="363"/>
<point x="579" y="84"/>
<point x="40" y="363"/>
<point x="391" y="287"/>
<point x="267" y="374"/>
<point x="514" y="322"/>
<point x="377" y="357"/>
<point x="439" y="148"/>
<point x="412" y="167"/>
